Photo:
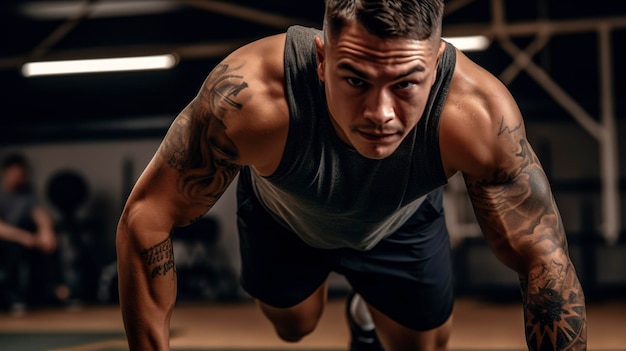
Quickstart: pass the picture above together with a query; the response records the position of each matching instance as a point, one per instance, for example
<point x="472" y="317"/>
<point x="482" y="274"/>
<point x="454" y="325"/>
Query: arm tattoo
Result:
<point x="554" y="310"/>
<point x="198" y="146"/>
<point x="225" y="88"/>
<point x="160" y="259"/>
<point x="506" y="129"/>
<point x="520" y="219"/>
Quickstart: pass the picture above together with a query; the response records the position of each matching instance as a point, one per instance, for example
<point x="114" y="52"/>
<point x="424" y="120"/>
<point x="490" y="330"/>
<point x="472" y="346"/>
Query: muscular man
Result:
<point x="342" y="140"/>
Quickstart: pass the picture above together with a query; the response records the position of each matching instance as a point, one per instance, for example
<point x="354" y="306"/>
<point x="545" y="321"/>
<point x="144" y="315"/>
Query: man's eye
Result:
<point x="356" y="82"/>
<point x="405" y="85"/>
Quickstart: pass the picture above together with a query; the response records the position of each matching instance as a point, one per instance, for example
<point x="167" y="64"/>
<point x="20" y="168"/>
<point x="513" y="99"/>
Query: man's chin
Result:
<point x="378" y="152"/>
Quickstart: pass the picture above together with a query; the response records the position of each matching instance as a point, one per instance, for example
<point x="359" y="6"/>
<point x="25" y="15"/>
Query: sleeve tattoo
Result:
<point x="521" y="221"/>
<point x="554" y="309"/>
<point x="197" y="145"/>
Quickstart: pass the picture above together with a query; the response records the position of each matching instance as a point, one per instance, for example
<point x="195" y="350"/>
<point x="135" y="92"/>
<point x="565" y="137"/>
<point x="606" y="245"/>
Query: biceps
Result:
<point x="181" y="197"/>
<point x="184" y="177"/>
<point x="204" y="187"/>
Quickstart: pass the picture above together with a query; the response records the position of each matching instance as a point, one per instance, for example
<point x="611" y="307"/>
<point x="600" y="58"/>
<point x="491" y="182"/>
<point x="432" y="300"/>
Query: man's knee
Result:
<point x="294" y="333"/>
<point x="291" y="324"/>
<point x="294" y="323"/>
<point x="397" y="337"/>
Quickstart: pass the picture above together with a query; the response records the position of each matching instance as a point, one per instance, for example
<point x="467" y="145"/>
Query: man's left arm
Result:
<point x="515" y="207"/>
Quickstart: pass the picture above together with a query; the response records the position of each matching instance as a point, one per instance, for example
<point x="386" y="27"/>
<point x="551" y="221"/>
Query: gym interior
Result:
<point x="88" y="136"/>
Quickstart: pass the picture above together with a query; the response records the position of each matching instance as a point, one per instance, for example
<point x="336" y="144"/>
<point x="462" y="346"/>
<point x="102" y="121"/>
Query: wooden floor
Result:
<point x="478" y="326"/>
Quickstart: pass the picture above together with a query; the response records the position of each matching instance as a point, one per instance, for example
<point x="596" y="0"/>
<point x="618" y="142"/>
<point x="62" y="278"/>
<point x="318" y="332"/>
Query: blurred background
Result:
<point x="88" y="136"/>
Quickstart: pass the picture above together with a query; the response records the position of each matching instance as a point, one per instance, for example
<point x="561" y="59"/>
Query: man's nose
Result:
<point x="379" y="109"/>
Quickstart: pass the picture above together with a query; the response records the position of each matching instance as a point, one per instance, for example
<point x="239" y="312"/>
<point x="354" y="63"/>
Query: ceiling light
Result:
<point x="469" y="43"/>
<point x="55" y="10"/>
<point x="154" y="62"/>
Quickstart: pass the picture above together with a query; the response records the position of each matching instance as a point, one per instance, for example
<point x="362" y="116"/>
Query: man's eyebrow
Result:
<point x="349" y="67"/>
<point x="360" y="74"/>
<point x="414" y="69"/>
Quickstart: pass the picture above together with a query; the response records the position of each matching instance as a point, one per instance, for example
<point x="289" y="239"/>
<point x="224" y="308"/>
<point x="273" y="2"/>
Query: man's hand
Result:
<point x="45" y="241"/>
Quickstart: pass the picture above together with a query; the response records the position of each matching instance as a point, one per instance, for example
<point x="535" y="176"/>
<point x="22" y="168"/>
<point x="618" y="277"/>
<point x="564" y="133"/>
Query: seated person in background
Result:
<point x="27" y="237"/>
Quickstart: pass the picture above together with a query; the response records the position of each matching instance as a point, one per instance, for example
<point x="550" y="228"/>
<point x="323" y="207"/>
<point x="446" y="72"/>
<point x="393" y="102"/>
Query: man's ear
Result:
<point x="320" y="55"/>
<point x="442" y="48"/>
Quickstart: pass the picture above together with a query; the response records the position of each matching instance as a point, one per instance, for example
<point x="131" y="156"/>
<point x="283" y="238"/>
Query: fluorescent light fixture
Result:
<point x="59" y="10"/>
<point x="469" y="43"/>
<point x="138" y="63"/>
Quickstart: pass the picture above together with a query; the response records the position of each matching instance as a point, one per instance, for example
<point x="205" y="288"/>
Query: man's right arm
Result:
<point x="239" y="117"/>
<point x="17" y="235"/>
<point x="190" y="171"/>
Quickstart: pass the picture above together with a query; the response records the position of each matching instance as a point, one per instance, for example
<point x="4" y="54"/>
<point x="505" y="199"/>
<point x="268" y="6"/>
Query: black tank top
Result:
<point x="324" y="190"/>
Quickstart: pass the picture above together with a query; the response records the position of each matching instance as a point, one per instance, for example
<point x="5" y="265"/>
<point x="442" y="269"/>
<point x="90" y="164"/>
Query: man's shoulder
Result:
<point x="245" y="93"/>
<point x="267" y="53"/>
<point x="476" y="92"/>
<point x="257" y="66"/>
<point x="477" y="106"/>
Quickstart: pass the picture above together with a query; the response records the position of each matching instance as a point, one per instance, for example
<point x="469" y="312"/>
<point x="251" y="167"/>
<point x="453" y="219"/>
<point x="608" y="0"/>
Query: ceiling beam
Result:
<point x="455" y="5"/>
<point x="248" y="14"/>
<point x="62" y="31"/>
<point x="220" y="49"/>
<point x="535" y="27"/>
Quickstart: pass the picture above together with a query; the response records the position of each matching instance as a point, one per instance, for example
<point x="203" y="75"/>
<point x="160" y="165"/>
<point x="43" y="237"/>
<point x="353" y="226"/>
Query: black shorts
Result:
<point x="407" y="276"/>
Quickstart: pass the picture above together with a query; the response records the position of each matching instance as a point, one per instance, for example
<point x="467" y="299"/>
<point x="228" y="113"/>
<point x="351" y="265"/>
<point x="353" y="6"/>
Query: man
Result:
<point x="342" y="140"/>
<point x="26" y="232"/>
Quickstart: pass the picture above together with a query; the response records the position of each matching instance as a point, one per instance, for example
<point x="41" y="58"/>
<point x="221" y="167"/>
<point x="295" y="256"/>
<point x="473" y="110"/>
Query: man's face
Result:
<point x="376" y="89"/>
<point x="14" y="178"/>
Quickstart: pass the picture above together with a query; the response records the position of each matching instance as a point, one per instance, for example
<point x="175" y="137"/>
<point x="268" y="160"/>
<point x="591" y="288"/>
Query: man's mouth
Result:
<point x="379" y="137"/>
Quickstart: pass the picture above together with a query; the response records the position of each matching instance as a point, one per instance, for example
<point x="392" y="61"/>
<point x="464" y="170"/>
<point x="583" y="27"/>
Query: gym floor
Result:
<point x="479" y="325"/>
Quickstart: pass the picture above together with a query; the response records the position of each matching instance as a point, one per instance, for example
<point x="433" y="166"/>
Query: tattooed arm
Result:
<point x="514" y="205"/>
<point x="201" y="154"/>
<point x="521" y="222"/>
<point x="184" y="179"/>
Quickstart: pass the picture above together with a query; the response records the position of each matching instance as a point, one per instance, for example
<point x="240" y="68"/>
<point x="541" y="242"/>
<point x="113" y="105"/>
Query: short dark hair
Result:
<point x="413" y="19"/>
<point x="14" y="159"/>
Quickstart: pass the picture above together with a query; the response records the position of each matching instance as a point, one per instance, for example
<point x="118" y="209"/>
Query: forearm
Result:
<point x="519" y="217"/>
<point x="15" y="234"/>
<point x="147" y="285"/>
<point x="523" y="227"/>
<point x="46" y="236"/>
<point x="554" y="307"/>
<point x="44" y="221"/>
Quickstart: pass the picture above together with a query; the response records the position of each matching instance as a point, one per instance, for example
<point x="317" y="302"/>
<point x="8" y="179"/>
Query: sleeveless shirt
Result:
<point x="324" y="190"/>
